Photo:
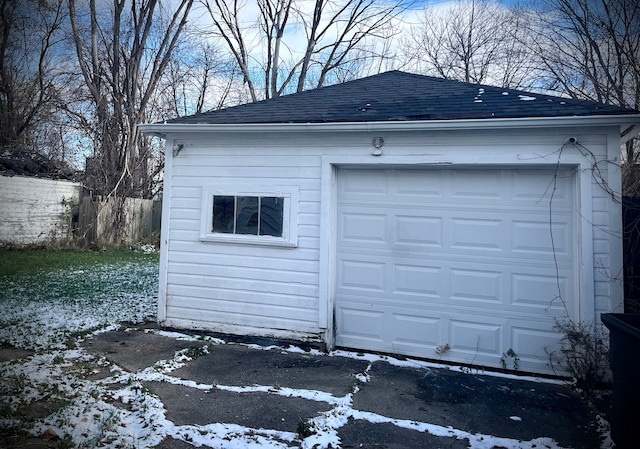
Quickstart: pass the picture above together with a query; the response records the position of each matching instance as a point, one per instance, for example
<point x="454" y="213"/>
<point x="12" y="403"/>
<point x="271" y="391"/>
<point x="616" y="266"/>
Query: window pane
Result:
<point x="247" y="215"/>
<point x="223" y="213"/>
<point x="271" y="210"/>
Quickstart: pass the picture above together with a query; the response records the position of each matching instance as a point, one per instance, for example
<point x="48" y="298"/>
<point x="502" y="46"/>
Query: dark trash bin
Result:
<point x="624" y="359"/>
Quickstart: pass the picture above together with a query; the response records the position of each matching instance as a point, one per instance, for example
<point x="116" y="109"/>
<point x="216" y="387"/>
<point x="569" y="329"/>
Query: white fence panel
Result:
<point x="36" y="210"/>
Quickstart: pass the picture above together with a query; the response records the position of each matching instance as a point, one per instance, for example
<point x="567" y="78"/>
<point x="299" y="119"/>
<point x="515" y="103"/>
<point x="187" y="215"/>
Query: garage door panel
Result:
<point x="413" y="185"/>
<point x="508" y="287"/>
<point x="360" y="183"/>
<point x="435" y="306"/>
<point x="466" y="257"/>
<point x="364" y="227"/>
<point x="362" y="276"/>
<point x="476" y="337"/>
<point x="555" y="191"/>
<point x="415" y="333"/>
<point x="417" y="230"/>
<point x="515" y="235"/>
<point x="359" y="325"/>
<point x="476" y="286"/>
<point x="391" y="328"/>
<point x="520" y="186"/>
<point x="416" y="328"/>
<point x="478" y="234"/>
<point x="469" y="341"/>
<point x="423" y="281"/>
<point x="486" y="185"/>
<point x="526" y="342"/>
<point x="540" y="291"/>
<point x="430" y="256"/>
<point x="535" y="237"/>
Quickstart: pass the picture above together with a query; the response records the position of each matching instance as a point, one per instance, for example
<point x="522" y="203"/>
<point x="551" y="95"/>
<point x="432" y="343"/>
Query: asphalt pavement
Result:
<point x="350" y="400"/>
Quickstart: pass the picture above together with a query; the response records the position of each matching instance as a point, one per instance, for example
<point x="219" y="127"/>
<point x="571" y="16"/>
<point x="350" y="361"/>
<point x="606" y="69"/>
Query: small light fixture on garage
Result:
<point x="177" y="148"/>
<point x="377" y="146"/>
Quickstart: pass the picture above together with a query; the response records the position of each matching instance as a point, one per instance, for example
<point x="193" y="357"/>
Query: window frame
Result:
<point x="289" y="236"/>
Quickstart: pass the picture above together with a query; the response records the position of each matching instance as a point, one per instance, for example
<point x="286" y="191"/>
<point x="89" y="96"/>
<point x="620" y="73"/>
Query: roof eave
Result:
<point x="626" y="120"/>
<point x="628" y="132"/>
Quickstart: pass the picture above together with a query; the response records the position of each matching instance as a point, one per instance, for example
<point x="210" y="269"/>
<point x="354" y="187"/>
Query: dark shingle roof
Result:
<point x="400" y="96"/>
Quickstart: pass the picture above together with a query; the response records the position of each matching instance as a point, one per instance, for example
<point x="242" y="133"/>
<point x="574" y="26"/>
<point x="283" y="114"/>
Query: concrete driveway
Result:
<point x="223" y="394"/>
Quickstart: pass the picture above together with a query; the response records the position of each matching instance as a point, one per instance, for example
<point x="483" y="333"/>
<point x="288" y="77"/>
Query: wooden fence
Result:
<point x="37" y="211"/>
<point x="140" y="218"/>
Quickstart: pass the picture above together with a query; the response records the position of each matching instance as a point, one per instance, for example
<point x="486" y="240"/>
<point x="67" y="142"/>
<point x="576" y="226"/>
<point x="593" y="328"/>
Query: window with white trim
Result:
<point x="258" y="217"/>
<point x="248" y="215"/>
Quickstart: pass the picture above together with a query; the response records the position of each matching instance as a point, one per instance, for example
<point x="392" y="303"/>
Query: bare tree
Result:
<point x="122" y="52"/>
<point x="212" y="80"/>
<point x="475" y="41"/>
<point x="297" y="45"/>
<point x="199" y="77"/>
<point x="30" y="32"/>
<point x="591" y="50"/>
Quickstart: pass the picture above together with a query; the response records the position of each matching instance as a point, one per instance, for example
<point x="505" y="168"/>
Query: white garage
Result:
<point x="397" y="213"/>
<point x="461" y="257"/>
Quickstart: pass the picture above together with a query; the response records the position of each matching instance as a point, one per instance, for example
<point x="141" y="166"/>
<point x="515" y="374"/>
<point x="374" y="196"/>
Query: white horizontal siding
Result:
<point x="266" y="290"/>
<point x="211" y="315"/>
<point x="31" y="209"/>
<point x="605" y="279"/>
<point x="242" y="256"/>
<point x="216" y="285"/>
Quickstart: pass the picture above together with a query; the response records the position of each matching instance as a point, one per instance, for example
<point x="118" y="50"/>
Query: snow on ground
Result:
<point x="117" y="411"/>
<point x="92" y="419"/>
<point x="45" y="313"/>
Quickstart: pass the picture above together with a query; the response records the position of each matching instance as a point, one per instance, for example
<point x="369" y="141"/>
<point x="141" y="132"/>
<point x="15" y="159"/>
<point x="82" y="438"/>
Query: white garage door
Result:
<point x="475" y="262"/>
